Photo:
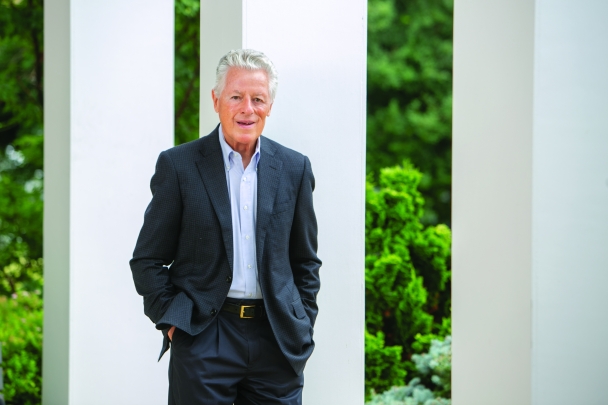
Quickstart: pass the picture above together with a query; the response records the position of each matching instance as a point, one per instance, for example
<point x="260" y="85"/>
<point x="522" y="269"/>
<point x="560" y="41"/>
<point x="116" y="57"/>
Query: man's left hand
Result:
<point x="170" y="333"/>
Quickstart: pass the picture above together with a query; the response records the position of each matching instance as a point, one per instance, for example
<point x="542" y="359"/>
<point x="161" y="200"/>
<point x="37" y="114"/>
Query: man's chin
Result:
<point x="246" y="137"/>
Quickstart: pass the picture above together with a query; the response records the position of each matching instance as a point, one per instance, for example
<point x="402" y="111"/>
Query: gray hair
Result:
<point x="246" y="59"/>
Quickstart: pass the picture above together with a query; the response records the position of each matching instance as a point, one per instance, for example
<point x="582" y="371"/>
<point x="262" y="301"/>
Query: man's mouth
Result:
<point x="245" y="123"/>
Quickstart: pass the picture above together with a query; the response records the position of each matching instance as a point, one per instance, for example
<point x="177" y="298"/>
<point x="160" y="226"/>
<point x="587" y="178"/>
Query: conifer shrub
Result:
<point x="434" y="366"/>
<point x="406" y="274"/>
<point x="383" y="366"/>
<point x="437" y="366"/>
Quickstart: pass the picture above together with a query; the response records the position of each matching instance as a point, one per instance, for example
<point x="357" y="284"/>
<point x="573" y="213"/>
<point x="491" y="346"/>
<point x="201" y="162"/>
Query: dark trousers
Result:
<point x="233" y="361"/>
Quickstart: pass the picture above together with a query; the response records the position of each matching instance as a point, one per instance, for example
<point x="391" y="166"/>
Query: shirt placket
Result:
<point x="247" y="232"/>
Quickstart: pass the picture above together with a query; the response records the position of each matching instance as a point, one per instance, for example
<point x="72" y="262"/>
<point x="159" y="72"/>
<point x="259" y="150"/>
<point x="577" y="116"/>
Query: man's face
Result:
<point x="243" y="106"/>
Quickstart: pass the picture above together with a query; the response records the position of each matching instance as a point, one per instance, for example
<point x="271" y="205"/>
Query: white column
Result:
<point x="319" y="49"/>
<point x="530" y="187"/>
<point x="570" y="203"/>
<point x="108" y="113"/>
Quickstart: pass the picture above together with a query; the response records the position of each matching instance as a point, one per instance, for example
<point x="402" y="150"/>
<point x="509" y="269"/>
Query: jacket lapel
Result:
<point x="269" y="171"/>
<point x="211" y="169"/>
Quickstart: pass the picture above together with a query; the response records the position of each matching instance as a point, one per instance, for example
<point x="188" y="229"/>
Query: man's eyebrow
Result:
<point x="254" y="94"/>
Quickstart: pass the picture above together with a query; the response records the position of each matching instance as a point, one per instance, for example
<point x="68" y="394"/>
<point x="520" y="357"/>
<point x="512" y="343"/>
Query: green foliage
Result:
<point x="436" y="366"/>
<point x="422" y="343"/>
<point x="21" y="216"/>
<point x="21" y="67"/>
<point x="413" y="393"/>
<point x="21" y="156"/>
<point x="187" y="70"/>
<point x="409" y="87"/>
<point x="383" y="365"/>
<point x="21" y="337"/>
<point x="406" y="266"/>
<point x="21" y="194"/>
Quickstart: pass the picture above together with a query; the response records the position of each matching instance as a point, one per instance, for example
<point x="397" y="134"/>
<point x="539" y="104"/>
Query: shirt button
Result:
<point x="244" y="178"/>
<point x="245" y="207"/>
<point x="248" y="266"/>
<point x="247" y="237"/>
<point x="228" y="279"/>
<point x="250" y="294"/>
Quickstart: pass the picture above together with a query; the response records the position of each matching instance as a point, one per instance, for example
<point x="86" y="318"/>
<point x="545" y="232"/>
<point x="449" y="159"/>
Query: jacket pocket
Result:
<point x="298" y="309"/>
<point x="282" y="206"/>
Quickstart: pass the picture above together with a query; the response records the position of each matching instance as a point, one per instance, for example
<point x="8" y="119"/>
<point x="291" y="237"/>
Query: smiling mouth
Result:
<point x="245" y="123"/>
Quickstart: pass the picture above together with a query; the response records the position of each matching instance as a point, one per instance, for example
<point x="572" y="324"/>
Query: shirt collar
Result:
<point x="227" y="150"/>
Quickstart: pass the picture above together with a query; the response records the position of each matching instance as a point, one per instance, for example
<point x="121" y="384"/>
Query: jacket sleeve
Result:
<point x="303" y="245"/>
<point x="157" y="242"/>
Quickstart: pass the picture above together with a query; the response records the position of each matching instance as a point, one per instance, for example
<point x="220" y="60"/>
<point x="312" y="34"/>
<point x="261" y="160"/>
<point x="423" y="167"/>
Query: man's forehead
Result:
<point x="248" y="74"/>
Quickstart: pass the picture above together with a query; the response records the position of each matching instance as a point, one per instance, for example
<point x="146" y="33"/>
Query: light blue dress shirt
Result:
<point x="243" y="192"/>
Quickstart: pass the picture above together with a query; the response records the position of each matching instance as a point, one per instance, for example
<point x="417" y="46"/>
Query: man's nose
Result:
<point x="247" y="106"/>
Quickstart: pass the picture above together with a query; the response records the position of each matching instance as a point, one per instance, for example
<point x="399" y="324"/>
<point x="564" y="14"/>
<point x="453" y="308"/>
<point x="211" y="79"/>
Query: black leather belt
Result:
<point x="245" y="311"/>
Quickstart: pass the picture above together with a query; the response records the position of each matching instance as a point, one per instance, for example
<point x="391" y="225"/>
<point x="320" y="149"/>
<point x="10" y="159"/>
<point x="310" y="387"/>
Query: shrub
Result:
<point x="21" y="337"/>
<point x="412" y="394"/>
<point x="435" y="364"/>
<point x="383" y="365"/>
<point x="406" y="269"/>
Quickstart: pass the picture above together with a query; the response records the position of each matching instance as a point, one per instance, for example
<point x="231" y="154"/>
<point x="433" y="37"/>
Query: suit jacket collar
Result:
<point x="269" y="173"/>
<point x="211" y="169"/>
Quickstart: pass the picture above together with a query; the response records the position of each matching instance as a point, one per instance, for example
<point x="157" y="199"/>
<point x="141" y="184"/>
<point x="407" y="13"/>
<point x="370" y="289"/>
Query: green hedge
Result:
<point x="21" y="337"/>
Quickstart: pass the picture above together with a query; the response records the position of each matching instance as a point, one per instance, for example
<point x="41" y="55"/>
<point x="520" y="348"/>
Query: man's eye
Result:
<point x="235" y="97"/>
<point x="258" y="100"/>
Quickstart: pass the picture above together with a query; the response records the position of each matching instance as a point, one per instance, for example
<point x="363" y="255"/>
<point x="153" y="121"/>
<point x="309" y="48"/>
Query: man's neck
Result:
<point x="245" y="150"/>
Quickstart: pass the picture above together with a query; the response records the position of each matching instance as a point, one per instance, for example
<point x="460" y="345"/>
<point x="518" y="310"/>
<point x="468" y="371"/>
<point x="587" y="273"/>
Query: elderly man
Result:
<point x="226" y="259"/>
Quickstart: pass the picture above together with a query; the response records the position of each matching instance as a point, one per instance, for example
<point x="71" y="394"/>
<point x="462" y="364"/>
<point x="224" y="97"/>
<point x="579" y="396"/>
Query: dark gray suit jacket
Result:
<point x="182" y="263"/>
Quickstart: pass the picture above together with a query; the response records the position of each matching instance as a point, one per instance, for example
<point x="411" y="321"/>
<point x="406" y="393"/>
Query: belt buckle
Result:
<point x="242" y="315"/>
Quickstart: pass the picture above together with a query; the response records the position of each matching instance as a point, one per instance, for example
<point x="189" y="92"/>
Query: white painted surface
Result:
<point x="56" y="239"/>
<point x="319" y="49"/>
<point x="492" y="202"/>
<point x="530" y="187"/>
<point x="120" y="115"/>
<point x="570" y="205"/>
<point x="217" y="17"/>
<point x="110" y="90"/>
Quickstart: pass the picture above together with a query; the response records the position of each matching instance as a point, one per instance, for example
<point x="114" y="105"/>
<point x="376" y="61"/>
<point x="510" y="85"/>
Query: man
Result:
<point x="226" y="259"/>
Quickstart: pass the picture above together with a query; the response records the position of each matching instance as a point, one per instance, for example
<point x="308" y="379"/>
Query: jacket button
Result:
<point x="228" y="279"/>
<point x="213" y="311"/>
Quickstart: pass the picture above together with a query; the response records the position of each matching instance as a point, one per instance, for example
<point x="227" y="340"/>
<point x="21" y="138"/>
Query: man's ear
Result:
<point x="216" y="101"/>
<point x="269" y="109"/>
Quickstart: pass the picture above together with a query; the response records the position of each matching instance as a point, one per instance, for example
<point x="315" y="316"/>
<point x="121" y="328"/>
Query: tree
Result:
<point x="409" y="85"/>
<point x="187" y="70"/>
<point x="21" y="156"/>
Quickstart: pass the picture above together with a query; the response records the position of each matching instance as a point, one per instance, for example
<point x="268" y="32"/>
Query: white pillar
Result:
<point x="108" y="113"/>
<point x="319" y="48"/>
<point x="530" y="208"/>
